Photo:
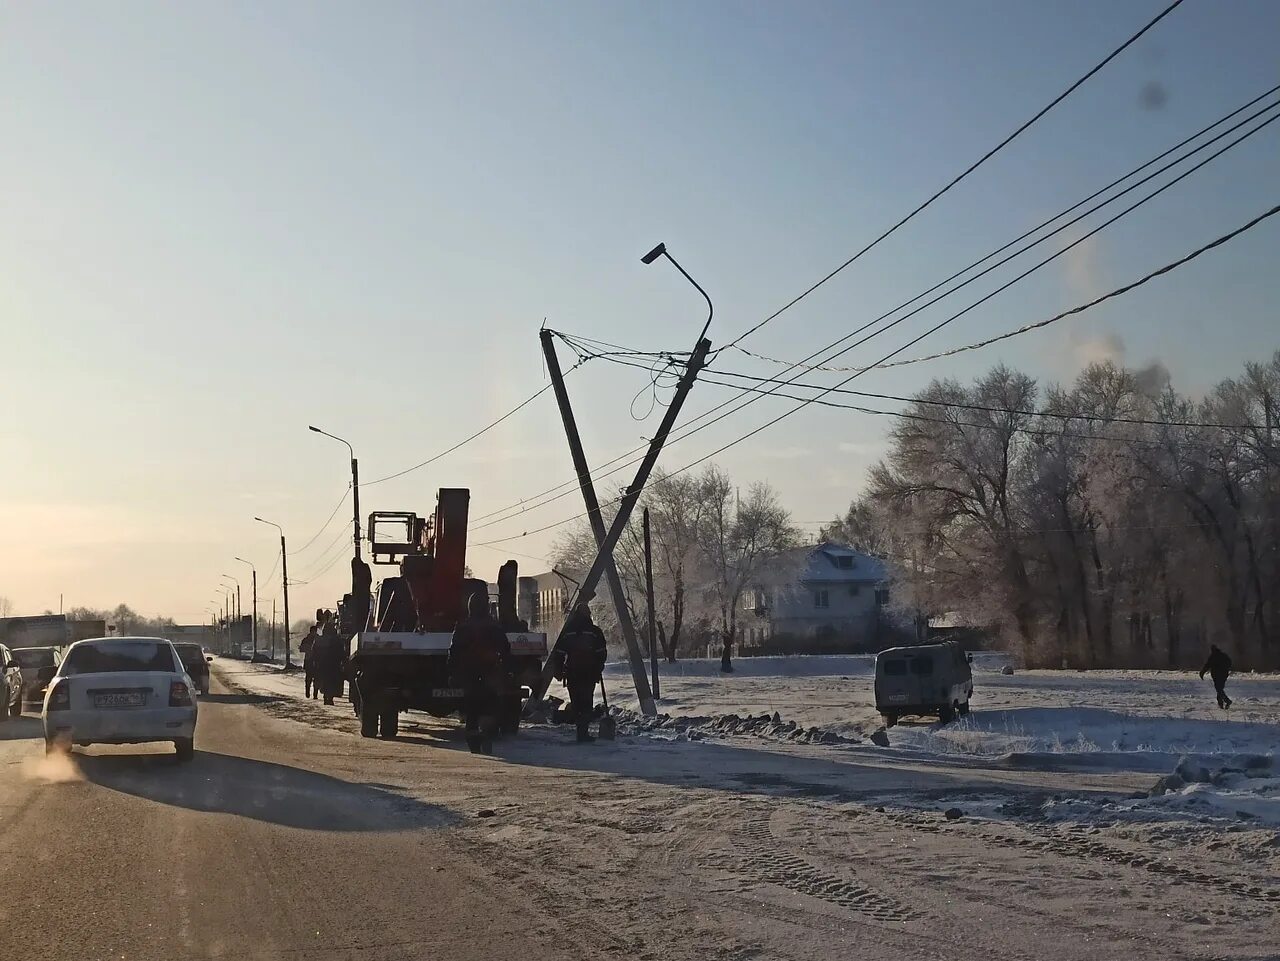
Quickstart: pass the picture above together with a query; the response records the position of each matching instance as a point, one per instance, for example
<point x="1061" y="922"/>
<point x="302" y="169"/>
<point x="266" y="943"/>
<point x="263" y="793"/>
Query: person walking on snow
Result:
<point x="1218" y="667"/>
<point x="580" y="657"/>
<point x="307" y="646"/>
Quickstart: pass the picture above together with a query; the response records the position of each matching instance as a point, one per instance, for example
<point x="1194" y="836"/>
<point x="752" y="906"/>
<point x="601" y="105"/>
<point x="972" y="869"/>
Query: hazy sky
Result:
<point x="221" y="222"/>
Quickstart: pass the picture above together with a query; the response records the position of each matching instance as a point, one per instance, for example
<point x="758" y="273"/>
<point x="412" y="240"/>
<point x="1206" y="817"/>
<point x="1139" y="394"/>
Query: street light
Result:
<point x="661" y="251"/>
<point x="255" y="602"/>
<point x="355" y="486"/>
<point x="237" y="584"/>
<point x="284" y="580"/>
<point x="226" y="617"/>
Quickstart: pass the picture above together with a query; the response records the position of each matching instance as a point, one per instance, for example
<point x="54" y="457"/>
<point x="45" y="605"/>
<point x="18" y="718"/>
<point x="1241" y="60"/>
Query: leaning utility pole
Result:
<point x="634" y="655"/>
<point x="605" y="555"/>
<point x="648" y="592"/>
<point x="284" y="577"/>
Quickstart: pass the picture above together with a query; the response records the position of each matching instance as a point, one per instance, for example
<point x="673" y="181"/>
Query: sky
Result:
<point x="222" y="222"/>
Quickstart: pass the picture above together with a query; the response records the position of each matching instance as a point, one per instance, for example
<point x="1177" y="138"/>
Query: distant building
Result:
<point x="821" y="598"/>
<point x="541" y="600"/>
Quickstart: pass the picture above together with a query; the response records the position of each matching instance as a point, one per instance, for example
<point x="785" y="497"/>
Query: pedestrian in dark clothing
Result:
<point x="480" y="663"/>
<point x="328" y="652"/>
<point x="580" y="657"/>
<point x="307" y="647"/>
<point x="1218" y="667"/>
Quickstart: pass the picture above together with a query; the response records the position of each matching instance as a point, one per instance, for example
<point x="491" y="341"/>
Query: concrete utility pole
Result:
<point x="355" y="488"/>
<point x="634" y="655"/>
<point x="284" y="579"/>
<point x="255" y="601"/>
<point x="604" y="557"/>
<point x="648" y="591"/>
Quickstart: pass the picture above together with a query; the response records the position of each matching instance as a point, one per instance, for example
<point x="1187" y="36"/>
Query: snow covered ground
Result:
<point x="1052" y="808"/>
<point x="1098" y="720"/>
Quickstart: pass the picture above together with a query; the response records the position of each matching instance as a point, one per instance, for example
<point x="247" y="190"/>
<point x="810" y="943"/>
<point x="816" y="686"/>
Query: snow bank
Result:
<point x="798" y="665"/>
<point x="1080" y="730"/>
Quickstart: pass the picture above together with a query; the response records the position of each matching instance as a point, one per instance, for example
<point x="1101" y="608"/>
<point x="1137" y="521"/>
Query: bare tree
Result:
<point x="6" y="606"/>
<point x="735" y="536"/>
<point x="1117" y="524"/>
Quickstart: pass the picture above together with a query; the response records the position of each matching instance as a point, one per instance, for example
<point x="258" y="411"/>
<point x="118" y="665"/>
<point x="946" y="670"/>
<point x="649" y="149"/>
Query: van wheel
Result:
<point x="947" y="714"/>
<point x="890" y="719"/>
<point x="964" y="708"/>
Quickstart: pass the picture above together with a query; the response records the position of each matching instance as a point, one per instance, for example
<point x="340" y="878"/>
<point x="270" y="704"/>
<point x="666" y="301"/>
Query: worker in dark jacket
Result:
<point x="329" y="653"/>
<point x="307" y="645"/>
<point x="580" y="658"/>
<point x="480" y="663"/>
<point x="1218" y="667"/>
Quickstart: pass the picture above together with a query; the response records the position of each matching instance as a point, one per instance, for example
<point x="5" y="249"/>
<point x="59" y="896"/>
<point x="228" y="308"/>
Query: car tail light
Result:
<point x="60" y="697"/>
<point x="179" y="694"/>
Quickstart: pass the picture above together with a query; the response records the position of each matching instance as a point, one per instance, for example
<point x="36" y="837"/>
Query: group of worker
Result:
<point x="480" y="663"/>
<point x="324" y="656"/>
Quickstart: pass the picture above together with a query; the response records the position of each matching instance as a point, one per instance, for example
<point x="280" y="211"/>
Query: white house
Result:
<point x="822" y="596"/>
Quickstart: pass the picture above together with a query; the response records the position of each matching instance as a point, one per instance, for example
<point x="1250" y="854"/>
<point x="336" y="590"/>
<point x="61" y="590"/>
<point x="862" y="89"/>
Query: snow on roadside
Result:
<point x="1078" y="730"/>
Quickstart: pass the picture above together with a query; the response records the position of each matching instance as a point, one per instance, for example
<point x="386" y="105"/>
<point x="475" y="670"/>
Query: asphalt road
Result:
<point x="259" y="848"/>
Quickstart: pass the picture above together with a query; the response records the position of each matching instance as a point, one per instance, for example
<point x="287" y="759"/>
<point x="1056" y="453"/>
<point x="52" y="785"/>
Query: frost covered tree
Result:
<point x="1111" y="521"/>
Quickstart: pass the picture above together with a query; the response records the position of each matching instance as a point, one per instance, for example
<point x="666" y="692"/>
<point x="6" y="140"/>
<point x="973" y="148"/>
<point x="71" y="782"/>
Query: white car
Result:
<point x="121" y="690"/>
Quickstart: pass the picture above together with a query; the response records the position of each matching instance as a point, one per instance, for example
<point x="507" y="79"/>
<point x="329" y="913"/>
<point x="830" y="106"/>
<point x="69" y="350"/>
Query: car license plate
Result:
<point x="132" y="699"/>
<point x="897" y="698"/>
<point x="446" y="692"/>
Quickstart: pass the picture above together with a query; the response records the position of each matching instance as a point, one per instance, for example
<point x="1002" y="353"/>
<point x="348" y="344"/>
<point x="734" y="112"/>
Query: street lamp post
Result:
<point x="226" y="615"/>
<point x="661" y="251"/>
<point x="284" y="580"/>
<point x="238" y="608"/>
<point x="255" y="599"/>
<point x="355" y="488"/>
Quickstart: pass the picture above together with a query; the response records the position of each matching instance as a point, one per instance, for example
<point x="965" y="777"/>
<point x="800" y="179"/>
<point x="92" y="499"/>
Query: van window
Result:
<point x="922" y="666"/>
<point x="895" y="668"/>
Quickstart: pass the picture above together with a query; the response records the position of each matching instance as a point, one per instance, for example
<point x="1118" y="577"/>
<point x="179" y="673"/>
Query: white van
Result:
<point x="928" y="679"/>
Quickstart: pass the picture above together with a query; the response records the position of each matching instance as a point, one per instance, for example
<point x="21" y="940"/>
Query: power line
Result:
<point x="466" y="440"/>
<point x="325" y="525"/>
<point x="1053" y="415"/>
<point x="848" y="347"/>
<point x="827" y="390"/>
<point x="1070" y="223"/>
<point x="961" y="176"/>
<point x="577" y="342"/>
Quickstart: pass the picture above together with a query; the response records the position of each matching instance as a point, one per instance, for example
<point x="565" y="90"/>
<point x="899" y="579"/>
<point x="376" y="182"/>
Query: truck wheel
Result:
<point x="890" y="719"/>
<point x="964" y="708"/>
<point x="368" y="721"/>
<point x="390" y="724"/>
<point x="947" y="714"/>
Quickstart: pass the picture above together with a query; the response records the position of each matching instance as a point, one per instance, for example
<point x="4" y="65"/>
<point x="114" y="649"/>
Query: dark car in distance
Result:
<point x="10" y="684"/>
<point x="39" y="665"/>
<point x="196" y="662"/>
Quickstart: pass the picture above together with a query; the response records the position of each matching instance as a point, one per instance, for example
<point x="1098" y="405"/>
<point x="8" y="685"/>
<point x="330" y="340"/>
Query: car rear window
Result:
<point x="190" y="653"/>
<point x="33" y="657"/>
<point x="895" y="668"/>
<point x="923" y="666"/>
<point x="119" y="656"/>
